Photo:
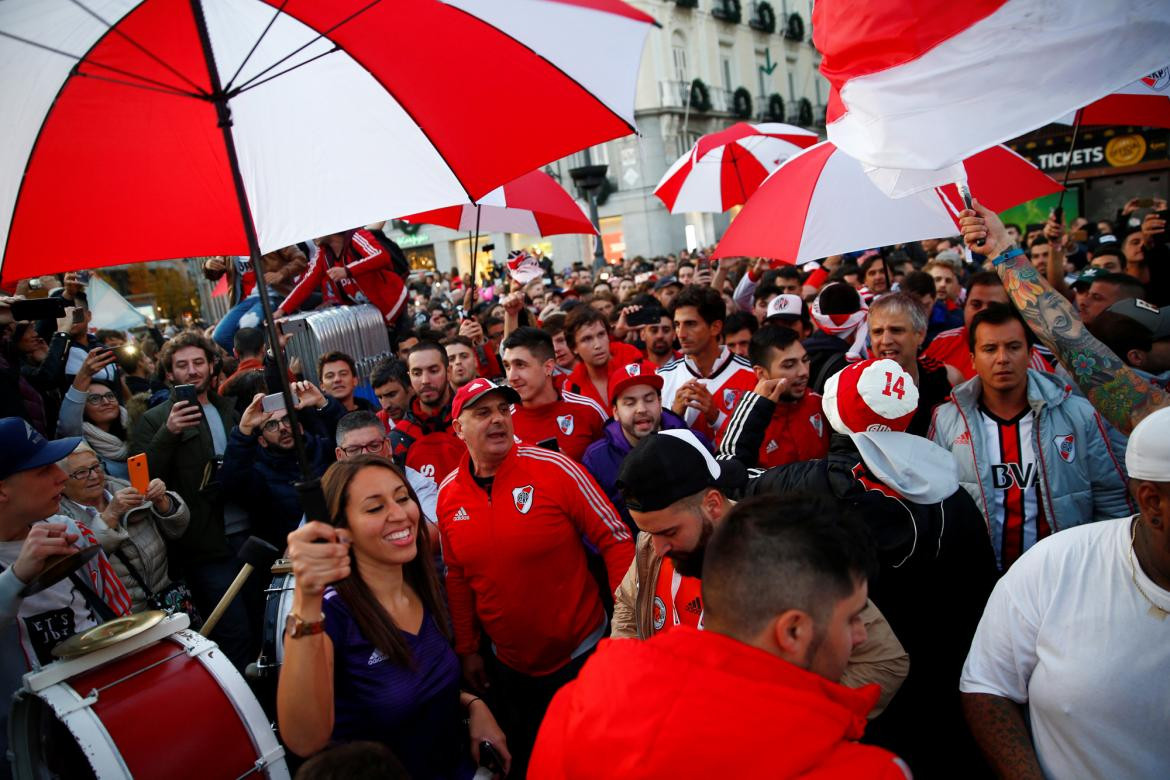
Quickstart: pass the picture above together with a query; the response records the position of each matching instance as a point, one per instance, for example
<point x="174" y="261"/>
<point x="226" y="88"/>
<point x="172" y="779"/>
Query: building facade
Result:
<point x="712" y="63"/>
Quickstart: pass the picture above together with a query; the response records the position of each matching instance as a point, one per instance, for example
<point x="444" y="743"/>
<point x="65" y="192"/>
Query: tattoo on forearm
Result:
<point x="1118" y="393"/>
<point x="998" y="726"/>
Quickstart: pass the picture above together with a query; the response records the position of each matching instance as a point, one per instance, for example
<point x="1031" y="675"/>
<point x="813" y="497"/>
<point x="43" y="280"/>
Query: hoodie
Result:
<point x="936" y="571"/>
<point x="603" y="459"/>
<point x="692" y="703"/>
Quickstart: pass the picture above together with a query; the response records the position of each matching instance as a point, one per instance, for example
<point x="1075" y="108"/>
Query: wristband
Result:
<point x="1003" y="257"/>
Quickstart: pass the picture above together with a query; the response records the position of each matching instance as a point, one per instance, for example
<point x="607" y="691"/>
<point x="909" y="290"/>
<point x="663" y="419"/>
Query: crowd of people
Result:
<point x="900" y="511"/>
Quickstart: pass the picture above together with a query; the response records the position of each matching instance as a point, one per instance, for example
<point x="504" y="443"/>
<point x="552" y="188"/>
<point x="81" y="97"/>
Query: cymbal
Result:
<point x="109" y="633"/>
<point x="58" y="568"/>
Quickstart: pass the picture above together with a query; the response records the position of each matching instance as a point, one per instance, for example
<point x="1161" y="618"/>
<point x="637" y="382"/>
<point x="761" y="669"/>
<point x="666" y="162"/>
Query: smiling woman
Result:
<point x="368" y="651"/>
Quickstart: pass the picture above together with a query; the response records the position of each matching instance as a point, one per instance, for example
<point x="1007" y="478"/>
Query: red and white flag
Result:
<point x="924" y="85"/>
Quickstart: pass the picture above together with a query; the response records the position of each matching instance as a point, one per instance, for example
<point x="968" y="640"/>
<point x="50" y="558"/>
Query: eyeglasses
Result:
<point x="372" y="448"/>
<point x="97" y="399"/>
<point x="274" y="425"/>
<point x="83" y="474"/>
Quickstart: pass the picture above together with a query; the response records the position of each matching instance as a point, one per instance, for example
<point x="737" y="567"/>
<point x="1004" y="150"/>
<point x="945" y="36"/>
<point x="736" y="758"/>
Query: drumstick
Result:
<point x="256" y="554"/>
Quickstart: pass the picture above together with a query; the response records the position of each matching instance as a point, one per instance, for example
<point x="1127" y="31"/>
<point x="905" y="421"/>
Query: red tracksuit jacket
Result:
<point x="516" y="561"/>
<point x="573" y="420"/>
<point x="369" y="267"/>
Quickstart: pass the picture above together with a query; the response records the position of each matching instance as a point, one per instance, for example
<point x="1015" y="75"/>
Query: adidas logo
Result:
<point x="376" y="657"/>
<point x="461" y="515"/>
<point x="772" y="446"/>
<point x="694" y="606"/>
<point x="963" y="439"/>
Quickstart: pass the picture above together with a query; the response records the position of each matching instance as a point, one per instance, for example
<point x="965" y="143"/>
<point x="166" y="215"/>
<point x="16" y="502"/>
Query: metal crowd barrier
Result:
<point x="358" y="331"/>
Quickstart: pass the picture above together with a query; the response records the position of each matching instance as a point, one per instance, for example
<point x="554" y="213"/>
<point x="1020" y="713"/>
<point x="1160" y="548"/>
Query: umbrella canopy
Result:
<point x="723" y="169"/>
<point x="131" y="127"/>
<point x="534" y="205"/>
<point x="821" y="203"/>
<point x="927" y="84"/>
<point x="1145" y="102"/>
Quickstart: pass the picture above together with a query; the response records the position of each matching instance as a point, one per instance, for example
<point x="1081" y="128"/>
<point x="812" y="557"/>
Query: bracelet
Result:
<point x="1006" y="255"/>
<point x="473" y="701"/>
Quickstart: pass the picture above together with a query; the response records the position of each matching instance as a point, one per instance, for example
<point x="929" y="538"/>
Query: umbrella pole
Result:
<point x="1058" y="212"/>
<point x="738" y="178"/>
<point x="224" y="115"/>
<point x="469" y="299"/>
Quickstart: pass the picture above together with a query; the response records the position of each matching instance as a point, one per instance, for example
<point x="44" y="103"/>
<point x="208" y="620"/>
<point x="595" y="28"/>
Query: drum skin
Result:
<point x="173" y="720"/>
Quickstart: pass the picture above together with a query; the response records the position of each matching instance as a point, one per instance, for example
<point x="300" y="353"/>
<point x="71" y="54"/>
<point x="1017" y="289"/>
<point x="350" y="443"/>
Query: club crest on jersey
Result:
<point x="427" y="470"/>
<point x="818" y="424"/>
<point x="1066" y="447"/>
<point x="565" y="423"/>
<point x="659" y="613"/>
<point x="730" y="397"/>
<point x="522" y="496"/>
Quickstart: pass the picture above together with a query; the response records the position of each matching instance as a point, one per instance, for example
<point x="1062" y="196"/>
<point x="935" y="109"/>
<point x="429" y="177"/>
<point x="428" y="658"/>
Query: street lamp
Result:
<point x="589" y="179"/>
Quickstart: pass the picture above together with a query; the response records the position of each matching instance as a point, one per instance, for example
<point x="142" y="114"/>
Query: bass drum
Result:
<point x="165" y="703"/>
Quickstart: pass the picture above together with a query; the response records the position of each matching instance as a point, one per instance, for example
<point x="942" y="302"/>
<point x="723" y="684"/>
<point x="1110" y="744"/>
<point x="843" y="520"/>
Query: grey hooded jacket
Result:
<point x="1081" y="478"/>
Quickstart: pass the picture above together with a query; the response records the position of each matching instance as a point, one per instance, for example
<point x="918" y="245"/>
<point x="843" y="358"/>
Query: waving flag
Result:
<point x="926" y="84"/>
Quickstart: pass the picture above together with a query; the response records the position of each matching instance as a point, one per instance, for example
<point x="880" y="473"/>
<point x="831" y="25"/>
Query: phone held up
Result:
<point x="187" y="393"/>
<point x="274" y="402"/>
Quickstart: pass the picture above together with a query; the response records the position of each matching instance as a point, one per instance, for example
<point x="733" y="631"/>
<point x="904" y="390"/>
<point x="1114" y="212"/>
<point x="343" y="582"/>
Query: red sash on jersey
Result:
<point x="677" y="600"/>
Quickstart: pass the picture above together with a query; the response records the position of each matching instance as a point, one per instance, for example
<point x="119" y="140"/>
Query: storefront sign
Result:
<point x="1096" y="148"/>
<point x="418" y="239"/>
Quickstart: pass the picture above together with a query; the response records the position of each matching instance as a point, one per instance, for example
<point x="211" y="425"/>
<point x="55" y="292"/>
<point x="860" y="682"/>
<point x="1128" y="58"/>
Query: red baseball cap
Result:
<point x="476" y="389"/>
<point x="631" y="374"/>
<point x="873" y="395"/>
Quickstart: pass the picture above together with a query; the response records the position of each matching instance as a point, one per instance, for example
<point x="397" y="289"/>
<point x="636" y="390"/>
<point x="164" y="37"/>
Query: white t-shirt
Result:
<point x="1066" y="632"/>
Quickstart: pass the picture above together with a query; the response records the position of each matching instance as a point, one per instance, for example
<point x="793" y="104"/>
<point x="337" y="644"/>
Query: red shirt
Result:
<point x="678" y="600"/>
<point x="573" y="420"/>
<point x="797" y="431"/>
<point x="620" y="354"/>
<point x="516" y="561"/>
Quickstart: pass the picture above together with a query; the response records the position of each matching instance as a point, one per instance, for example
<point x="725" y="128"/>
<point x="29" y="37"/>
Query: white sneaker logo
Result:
<point x="461" y="515"/>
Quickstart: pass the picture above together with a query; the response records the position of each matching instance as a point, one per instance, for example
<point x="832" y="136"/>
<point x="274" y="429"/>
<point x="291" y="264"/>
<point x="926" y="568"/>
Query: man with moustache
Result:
<point x="637" y="413"/>
<point x="780" y="421"/>
<point x="184" y="445"/>
<point x="658" y="338"/>
<point x="514" y="522"/>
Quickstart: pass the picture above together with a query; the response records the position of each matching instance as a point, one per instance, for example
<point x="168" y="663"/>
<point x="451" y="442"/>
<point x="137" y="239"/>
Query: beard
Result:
<point x="690" y="563"/>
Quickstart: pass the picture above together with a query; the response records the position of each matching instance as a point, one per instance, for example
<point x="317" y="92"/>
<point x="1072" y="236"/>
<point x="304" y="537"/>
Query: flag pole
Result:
<point x="1058" y="212"/>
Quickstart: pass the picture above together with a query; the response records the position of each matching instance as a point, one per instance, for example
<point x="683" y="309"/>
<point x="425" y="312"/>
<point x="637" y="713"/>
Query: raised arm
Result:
<point x="1121" y="396"/>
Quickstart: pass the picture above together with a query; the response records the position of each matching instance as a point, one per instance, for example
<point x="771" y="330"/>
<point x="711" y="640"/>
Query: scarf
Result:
<point x="104" y="443"/>
<point x="844" y="327"/>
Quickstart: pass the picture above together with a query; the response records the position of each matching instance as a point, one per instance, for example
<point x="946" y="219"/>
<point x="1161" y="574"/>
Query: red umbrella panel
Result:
<point x="119" y="114"/>
<point x="534" y="205"/>
<point x="723" y="169"/>
<point x="822" y="202"/>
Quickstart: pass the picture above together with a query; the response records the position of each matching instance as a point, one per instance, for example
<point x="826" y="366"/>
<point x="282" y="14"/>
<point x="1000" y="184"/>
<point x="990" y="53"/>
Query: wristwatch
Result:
<point x="296" y="627"/>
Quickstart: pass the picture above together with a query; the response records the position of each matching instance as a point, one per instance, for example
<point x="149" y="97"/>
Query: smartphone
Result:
<point x="40" y="309"/>
<point x="274" y="402"/>
<point x="139" y="472"/>
<point x="489" y="757"/>
<point x="1159" y="239"/>
<point x="78" y="315"/>
<point x="187" y="393"/>
<point x="647" y="315"/>
<point x="1144" y="203"/>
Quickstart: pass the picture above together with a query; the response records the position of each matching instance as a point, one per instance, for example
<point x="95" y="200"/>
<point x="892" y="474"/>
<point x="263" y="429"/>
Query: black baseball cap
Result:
<point x="671" y="465"/>
<point x="23" y="448"/>
<point x="667" y="281"/>
<point x="1149" y="316"/>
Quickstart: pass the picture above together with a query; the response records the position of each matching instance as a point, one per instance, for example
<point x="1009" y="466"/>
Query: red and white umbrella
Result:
<point x="927" y="84"/>
<point x="723" y="169"/>
<point x="534" y="205"/>
<point x="1145" y="102"/>
<point x="822" y="202"/>
<point x="149" y="129"/>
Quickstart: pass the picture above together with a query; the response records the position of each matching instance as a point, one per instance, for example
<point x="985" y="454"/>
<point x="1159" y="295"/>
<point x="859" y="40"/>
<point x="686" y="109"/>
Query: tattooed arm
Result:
<point x="997" y="723"/>
<point x="1114" y="389"/>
